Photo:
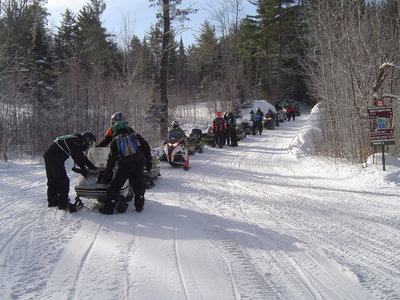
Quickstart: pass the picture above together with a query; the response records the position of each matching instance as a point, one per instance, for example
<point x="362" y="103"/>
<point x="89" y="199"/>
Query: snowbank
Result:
<point x="304" y="142"/>
<point x="264" y="105"/>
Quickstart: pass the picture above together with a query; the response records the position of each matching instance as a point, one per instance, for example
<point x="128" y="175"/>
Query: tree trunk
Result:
<point x="163" y="121"/>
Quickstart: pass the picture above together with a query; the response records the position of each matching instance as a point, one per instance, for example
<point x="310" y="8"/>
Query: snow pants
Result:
<point x="257" y="126"/>
<point x="291" y="114"/>
<point x="132" y="168"/>
<point x="233" y="137"/>
<point x="57" y="181"/>
<point x="219" y="138"/>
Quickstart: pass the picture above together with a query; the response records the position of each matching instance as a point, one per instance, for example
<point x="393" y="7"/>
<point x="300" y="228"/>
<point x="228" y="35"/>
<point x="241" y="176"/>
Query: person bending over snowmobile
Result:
<point x="132" y="153"/>
<point x="219" y="127"/>
<point x="58" y="152"/>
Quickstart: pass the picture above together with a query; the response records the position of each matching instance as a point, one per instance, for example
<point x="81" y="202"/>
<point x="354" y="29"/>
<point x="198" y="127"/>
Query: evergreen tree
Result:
<point x="65" y="40"/>
<point x="39" y="78"/>
<point x="273" y="47"/>
<point x="206" y="52"/>
<point x="95" y="46"/>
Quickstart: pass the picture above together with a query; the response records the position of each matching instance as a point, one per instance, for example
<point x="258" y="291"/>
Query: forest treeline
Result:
<point x="71" y="79"/>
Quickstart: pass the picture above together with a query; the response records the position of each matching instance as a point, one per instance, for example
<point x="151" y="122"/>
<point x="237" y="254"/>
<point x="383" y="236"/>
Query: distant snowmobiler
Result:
<point x="174" y="150"/>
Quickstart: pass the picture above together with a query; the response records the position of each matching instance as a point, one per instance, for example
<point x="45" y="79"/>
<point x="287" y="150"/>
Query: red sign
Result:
<point x="380" y="112"/>
<point x="381" y="125"/>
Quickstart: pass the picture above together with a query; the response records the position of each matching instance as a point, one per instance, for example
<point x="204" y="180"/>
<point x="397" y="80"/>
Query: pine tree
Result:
<point x="65" y="40"/>
<point x="95" y="46"/>
<point x="273" y="45"/>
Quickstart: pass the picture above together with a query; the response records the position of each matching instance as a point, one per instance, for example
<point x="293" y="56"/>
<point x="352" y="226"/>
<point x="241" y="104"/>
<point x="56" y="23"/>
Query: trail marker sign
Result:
<point x="381" y="125"/>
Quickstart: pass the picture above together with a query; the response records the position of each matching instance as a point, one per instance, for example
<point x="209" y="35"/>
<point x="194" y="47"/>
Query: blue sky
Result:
<point x="140" y="16"/>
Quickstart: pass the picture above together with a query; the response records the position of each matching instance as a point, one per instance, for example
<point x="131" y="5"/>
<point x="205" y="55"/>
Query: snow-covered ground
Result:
<point x="260" y="221"/>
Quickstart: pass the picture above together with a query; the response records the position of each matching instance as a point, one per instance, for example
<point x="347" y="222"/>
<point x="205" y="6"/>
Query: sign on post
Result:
<point x="381" y="125"/>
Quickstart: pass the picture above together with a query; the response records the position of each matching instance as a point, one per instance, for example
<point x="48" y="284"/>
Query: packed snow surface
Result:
<point x="264" y="220"/>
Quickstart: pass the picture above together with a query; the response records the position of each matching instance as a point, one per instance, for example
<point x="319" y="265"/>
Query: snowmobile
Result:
<point x="196" y="138"/>
<point x="175" y="153"/>
<point x="92" y="187"/>
<point x="190" y="144"/>
<point x="280" y="116"/>
<point x="269" y="122"/>
<point x="209" y="137"/>
<point x="240" y="132"/>
<point x="247" y="127"/>
<point x="152" y="175"/>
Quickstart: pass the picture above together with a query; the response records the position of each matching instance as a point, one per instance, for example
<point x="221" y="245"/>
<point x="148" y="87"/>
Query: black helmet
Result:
<point x="258" y="109"/>
<point x="89" y="140"/>
<point x="117" y="117"/>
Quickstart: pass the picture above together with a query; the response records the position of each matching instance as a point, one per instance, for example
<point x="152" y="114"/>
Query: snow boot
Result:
<point x="107" y="208"/>
<point x="121" y="206"/>
<point x="63" y="204"/>
<point x="52" y="202"/>
<point x="139" y="203"/>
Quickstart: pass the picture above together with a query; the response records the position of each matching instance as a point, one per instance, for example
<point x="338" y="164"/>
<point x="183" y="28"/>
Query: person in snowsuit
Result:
<point x="176" y="132"/>
<point x="269" y="121"/>
<point x="133" y="153"/>
<point x="232" y="132"/>
<point x="291" y="109"/>
<point x="269" y="114"/>
<point x="227" y="133"/>
<point x="54" y="158"/>
<point x="257" y="119"/>
<point x="278" y="105"/>
<point x="219" y="127"/>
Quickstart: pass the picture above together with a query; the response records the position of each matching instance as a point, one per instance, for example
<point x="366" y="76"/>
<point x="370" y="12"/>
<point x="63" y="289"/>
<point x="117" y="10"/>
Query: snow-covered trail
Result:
<point x="251" y="222"/>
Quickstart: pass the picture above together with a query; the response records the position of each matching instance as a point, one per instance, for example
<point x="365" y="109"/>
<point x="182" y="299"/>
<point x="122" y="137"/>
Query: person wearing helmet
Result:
<point x="257" y="118"/>
<point x="176" y="133"/>
<point x="291" y="110"/>
<point x="58" y="152"/>
<point x="231" y="129"/>
<point x="219" y="127"/>
<point x="115" y="118"/>
<point x="133" y="153"/>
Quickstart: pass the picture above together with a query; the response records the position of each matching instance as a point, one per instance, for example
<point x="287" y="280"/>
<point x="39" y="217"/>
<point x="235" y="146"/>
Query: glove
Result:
<point x="149" y="165"/>
<point x="84" y="172"/>
<point x="106" y="179"/>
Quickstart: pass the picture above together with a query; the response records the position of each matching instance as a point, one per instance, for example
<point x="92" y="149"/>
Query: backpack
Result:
<point x="127" y="144"/>
<point x="219" y="123"/>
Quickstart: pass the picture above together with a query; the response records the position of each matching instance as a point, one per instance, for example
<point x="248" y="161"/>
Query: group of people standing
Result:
<point x="224" y="128"/>
<point x="288" y="106"/>
<point x="128" y="148"/>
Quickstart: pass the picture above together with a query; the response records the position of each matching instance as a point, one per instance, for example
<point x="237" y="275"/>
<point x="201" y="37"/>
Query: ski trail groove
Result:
<point x="71" y="294"/>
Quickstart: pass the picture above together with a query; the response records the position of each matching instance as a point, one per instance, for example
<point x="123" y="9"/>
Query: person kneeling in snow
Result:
<point x="58" y="152"/>
<point x="132" y="153"/>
